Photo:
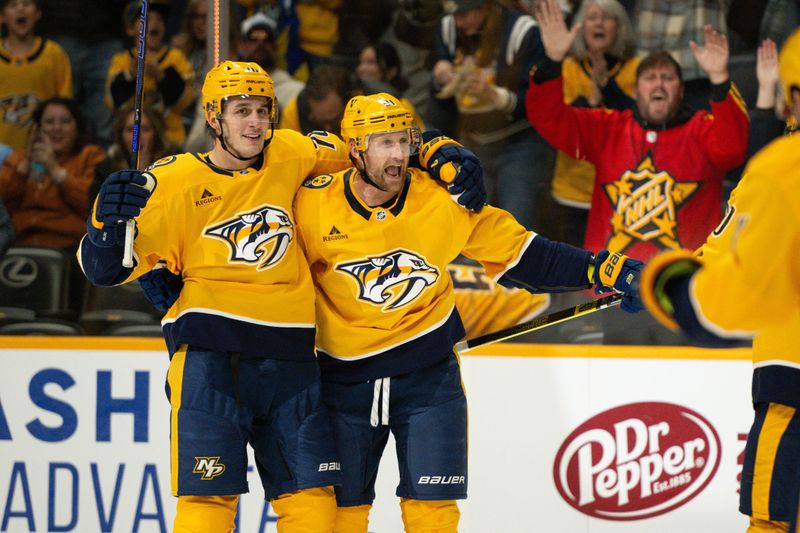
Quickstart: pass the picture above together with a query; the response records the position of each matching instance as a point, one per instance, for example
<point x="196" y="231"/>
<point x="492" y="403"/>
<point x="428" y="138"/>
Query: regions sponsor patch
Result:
<point x="318" y="182"/>
<point x="334" y="235"/>
<point x="207" y="197"/>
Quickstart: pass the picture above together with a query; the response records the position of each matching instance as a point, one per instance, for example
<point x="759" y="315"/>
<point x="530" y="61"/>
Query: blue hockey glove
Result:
<point x="161" y="288"/>
<point x="449" y="162"/>
<point x="619" y="273"/>
<point x="122" y="197"/>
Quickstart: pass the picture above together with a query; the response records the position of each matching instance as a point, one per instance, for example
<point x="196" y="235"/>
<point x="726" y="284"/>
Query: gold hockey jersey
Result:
<point x="385" y="302"/>
<point x="486" y="306"/>
<point x="233" y="238"/>
<point x="749" y="283"/>
<point x="26" y="81"/>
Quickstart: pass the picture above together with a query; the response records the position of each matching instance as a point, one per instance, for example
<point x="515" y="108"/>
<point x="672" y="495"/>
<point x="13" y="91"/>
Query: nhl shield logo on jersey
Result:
<point x="646" y="203"/>
<point x="260" y="236"/>
<point x="391" y="280"/>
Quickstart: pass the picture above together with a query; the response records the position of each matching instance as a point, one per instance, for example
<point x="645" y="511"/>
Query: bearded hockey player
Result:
<point x="378" y="238"/>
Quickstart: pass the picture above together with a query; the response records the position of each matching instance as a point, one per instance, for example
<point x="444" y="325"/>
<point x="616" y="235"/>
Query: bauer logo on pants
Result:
<point x="637" y="461"/>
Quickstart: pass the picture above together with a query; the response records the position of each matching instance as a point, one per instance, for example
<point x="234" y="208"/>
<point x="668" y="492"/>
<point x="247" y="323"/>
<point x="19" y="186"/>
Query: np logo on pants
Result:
<point x="208" y="467"/>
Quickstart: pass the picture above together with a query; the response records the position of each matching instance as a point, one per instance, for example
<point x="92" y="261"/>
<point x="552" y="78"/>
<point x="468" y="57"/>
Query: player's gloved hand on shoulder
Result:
<point x="122" y="196"/>
<point x="161" y="288"/>
<point x="619" y="273"/>
<point x="459" y="168"/>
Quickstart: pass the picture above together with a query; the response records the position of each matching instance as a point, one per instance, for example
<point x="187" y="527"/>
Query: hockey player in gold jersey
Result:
<point x="743" y="283"/>
<point x="378" y="238"/>
<point x="241" y="331"/>
<point x="484" y="306"/>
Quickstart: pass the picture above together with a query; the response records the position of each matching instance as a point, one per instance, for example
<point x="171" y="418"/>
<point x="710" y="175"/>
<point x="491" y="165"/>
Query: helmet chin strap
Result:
<point x="363" y="173"/>
<point x="221" y="138"/>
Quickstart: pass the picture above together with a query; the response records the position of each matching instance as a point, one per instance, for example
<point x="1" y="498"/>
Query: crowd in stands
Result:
<point x="624" y="132"/>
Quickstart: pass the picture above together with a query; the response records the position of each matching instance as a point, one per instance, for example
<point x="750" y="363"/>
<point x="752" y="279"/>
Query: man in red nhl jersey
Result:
<point x="660" y="166"/>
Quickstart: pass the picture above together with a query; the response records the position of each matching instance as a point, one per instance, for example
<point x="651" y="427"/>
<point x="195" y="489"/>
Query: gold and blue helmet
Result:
<point x="374" y="114"/>
<point x="240" y="79"/>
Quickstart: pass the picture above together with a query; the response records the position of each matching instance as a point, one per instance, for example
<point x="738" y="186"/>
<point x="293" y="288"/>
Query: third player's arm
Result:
<point x="712" y="298"/>
<point x="515" y="257"/>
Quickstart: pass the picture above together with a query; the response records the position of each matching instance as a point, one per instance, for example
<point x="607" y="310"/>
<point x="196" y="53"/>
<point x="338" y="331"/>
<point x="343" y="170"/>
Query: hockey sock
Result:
<point x="205" y="514"/>
<point x="352" y="519"/>
<point x="767" y="526"/>
<point x="306" y="511"/>
<point x="430" y="516"/>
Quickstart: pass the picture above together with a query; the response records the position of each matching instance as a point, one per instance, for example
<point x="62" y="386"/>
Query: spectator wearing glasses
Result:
<point x="599" y="72"/>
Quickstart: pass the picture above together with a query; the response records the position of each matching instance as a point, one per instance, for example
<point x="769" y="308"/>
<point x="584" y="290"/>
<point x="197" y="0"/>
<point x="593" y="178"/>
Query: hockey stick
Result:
<point x="540" y="322"/>
<point x="130" y="225"/>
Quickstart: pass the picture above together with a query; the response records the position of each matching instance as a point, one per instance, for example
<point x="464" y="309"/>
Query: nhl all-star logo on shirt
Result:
<point x="646" y="201"/>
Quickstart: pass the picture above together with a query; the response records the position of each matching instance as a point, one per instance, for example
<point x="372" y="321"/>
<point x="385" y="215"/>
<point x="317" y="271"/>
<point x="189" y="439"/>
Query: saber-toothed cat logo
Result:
<point x="259" y="237"/>
<point x="391" y="280"/>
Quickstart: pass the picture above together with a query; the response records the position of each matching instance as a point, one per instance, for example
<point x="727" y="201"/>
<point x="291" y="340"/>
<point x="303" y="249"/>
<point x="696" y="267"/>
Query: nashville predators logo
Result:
<point x="18" y="110"/>
<point x="390" y="280"/>
<point x="208" y="467"/>
<point x="646" y="203"/>
<point x="260" y="236"/>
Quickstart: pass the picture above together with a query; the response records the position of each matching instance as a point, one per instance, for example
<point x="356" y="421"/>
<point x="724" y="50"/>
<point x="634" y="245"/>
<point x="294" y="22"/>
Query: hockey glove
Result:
<point x="665" y="268"/>
<point x="449" y="162"/>
<point x="161" y="288"/>
<point x="122" y="196"/>
<point x="619" y="273"/>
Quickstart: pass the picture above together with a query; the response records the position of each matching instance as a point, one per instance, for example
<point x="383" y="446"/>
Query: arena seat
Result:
<point x="36" y="279"/>
<point x="106" y="307"/>
<point x="42" y="327"/>
<point x="135" y="330"/>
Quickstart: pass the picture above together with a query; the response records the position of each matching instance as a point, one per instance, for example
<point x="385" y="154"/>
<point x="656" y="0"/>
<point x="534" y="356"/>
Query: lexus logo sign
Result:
<point x="18" y="272"/>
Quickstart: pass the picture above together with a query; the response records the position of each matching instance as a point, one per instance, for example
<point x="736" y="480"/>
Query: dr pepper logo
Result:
<point x="637" y="461"/>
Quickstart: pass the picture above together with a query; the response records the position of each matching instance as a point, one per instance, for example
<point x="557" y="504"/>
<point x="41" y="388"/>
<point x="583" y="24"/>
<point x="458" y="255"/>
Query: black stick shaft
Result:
<point x="139" y="95"/>
<point x="540" y="322"/>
